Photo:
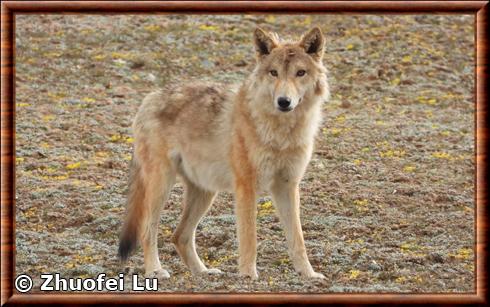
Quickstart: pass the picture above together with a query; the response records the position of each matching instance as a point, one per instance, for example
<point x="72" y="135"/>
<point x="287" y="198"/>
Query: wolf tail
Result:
<point x="135" y="212"/>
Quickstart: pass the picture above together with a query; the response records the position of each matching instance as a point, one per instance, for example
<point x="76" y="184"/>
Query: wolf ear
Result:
<point x="264" y="43"/>
<point x="313" y="43"/>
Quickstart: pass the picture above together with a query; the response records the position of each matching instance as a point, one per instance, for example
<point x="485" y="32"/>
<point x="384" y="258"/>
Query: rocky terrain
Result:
<point x="388" y="198"/>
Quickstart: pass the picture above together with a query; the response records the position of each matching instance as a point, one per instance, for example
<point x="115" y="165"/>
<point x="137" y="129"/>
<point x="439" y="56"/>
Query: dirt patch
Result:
<point x="388" y="198"/>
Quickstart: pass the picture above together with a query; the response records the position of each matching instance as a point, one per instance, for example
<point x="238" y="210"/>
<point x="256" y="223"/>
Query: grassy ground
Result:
<point x="387" y="201"/>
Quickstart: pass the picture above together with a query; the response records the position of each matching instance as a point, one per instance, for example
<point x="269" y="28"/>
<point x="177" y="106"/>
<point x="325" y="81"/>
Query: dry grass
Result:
<point x="387" y="202"/>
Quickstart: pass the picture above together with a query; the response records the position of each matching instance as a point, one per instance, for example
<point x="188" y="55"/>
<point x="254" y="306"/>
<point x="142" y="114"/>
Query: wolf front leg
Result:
<point x="286" y="199"/>
<point x="245" y="208"/>
<point x="246" y="213"/>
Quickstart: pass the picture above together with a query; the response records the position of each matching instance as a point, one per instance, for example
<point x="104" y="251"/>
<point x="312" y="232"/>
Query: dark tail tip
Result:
<point x="127" y="244"/>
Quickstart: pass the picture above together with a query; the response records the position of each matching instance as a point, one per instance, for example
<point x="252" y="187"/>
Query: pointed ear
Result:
<point x="314" y="43"/>
<point x="264" y="43"/>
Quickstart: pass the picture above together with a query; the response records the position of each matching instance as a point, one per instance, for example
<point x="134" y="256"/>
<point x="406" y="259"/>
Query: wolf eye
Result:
<point x="300" y="73"/>
<point x="273" y="73"/>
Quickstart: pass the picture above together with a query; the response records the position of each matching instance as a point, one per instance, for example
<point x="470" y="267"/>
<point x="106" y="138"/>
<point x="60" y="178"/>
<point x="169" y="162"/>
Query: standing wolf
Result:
<point x="257" y="139"/>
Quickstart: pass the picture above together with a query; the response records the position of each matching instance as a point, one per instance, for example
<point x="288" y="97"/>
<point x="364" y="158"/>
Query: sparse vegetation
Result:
<point x="387" y="201"/>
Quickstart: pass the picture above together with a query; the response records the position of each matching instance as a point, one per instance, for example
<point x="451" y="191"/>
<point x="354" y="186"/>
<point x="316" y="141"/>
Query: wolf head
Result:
<point x="290" y="74"/>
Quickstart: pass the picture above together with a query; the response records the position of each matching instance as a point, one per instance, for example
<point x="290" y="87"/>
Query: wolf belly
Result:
<point x="210" y="174"/>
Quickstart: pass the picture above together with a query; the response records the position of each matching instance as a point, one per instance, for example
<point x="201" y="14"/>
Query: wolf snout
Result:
<point x="284" y="104"/>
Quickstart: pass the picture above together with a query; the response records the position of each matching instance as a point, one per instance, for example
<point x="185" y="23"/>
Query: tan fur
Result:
<point x="218" y="139"/>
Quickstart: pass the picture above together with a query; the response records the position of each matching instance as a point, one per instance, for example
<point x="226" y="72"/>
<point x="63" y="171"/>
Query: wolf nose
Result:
<point x="284" y="102"/>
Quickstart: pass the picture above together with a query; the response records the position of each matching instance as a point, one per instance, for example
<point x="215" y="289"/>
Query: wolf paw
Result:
<point x="206" y="271"/>
<point x="212" y="272"/>
<point x="160" y="274"/>
<point x="315" y="275"/>
<point x="252" y="275"/>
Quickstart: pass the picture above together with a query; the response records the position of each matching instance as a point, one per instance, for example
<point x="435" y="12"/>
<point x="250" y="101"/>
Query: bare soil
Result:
<point x="388" y="198"/>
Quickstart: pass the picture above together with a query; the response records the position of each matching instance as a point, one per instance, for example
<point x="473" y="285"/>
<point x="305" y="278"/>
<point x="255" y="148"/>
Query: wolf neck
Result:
<point x="282" y="131"/>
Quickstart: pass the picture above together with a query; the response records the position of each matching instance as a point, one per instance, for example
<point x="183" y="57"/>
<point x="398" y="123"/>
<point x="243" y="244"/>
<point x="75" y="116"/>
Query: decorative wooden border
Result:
<point x="10" y="8"/>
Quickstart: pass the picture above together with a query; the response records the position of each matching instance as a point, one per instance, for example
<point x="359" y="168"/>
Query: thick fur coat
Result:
<point x="258" y="138"/>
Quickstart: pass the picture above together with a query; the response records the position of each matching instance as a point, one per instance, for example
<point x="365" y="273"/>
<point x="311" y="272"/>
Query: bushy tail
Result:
<point x="135" y="212"/>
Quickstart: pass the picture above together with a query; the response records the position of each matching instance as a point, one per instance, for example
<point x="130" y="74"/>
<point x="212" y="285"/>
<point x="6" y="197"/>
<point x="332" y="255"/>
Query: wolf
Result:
<point x="257" y="138"/>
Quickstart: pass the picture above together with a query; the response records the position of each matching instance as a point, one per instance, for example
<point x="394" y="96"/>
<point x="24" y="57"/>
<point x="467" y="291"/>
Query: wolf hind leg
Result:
<point x="159" y="184"/>
<point x="151" y="179"/>
<point x="196" y="203"/>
